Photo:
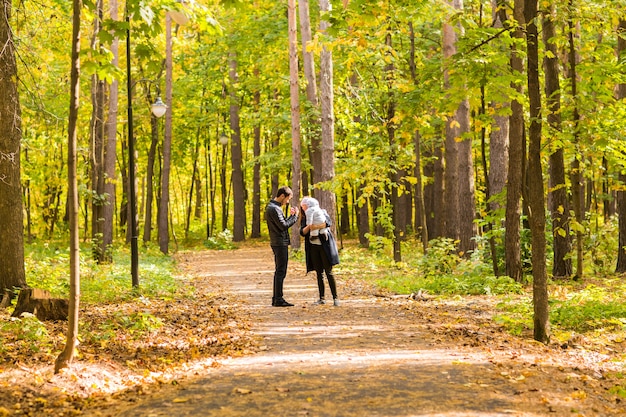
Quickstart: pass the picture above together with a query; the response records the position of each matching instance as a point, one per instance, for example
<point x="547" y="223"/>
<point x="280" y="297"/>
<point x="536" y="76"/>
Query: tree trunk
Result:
<point x="67" y="355"/>
<point x="308" y="66"/>
<point x="451" y="215"/>
<point x="513" y="260"/>
<point x="421" y="225"/>
<point x="12" y="273"/>
<point x="96" y="148"/>
<point x="536" y="198"/>
<point x="363" y="217"/>
<point x="236" y="157"/>
<point x="326" y="197"/>
<point x="488" y="193"/>
<point x="149" y="200"/>
<point x="557" y="193"/>
<point x="256" y="171"/>
<point x="393" y="156"/>
<point x="621" y="195"/>
<point x="576" y="175"/>
<point x="164" y="202"/>
<point x="294" y="92"/>
<point x="467" y="201"/>
<point x="110" y="149"/>
<point x="193" y="183"/>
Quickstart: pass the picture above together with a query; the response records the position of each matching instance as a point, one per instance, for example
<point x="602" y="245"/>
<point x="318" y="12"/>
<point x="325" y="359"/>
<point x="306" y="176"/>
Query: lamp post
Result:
<point x="158" y="109"/>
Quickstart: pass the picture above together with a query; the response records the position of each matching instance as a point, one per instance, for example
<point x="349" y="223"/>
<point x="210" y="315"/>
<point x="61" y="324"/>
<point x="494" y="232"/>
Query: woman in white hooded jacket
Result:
<point x="317" y="245"/>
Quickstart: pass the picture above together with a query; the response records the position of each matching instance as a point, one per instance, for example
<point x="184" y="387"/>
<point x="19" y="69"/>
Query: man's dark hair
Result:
<point x="284" y="191"/>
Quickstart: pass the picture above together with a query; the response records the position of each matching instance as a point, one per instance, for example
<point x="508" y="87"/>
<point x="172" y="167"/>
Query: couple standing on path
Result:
<point x="320" y="248"/>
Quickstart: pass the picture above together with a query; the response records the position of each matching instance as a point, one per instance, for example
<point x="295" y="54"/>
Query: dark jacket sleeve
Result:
<point x="278" y="225"/>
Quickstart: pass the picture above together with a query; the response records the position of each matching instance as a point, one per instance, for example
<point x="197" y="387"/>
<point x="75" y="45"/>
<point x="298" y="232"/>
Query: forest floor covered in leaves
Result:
<point x="222" y="350"/>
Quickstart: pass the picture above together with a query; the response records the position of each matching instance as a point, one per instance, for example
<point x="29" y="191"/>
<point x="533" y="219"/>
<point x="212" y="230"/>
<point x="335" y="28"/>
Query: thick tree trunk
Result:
<point x="557" y="193"/>
<point x="12" y="273"/>
<point x="308" y="66"/>
<point x="326" y="197"/>
<point x="67" y="355"/>
<point x="451" y="215"/>
<point x="467" y="200"/>
<point x="294" y="92"/>
<point x="536" y="198"/>
<point x="110" y="149"/>
<point x="513" y="260"/>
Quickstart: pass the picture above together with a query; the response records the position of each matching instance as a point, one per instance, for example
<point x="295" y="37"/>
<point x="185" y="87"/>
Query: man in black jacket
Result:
<point x="278" y="228"/>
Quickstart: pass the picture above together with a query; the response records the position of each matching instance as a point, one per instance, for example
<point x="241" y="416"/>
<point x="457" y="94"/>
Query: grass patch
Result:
<point x="47" y="267"/>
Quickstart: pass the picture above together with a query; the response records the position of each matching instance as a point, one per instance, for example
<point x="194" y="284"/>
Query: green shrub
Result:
<point x="223" y="240"/>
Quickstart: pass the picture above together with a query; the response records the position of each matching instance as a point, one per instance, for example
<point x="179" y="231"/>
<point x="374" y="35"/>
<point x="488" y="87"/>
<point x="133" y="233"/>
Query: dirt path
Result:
<point x="371" y="356"/>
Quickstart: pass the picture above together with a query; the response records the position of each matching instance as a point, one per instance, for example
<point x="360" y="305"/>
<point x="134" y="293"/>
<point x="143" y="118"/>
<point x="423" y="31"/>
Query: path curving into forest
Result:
<point x="372" y="356"/>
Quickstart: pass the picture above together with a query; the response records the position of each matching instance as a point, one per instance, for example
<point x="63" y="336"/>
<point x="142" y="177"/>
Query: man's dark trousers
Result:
<point x="281" y="258"/>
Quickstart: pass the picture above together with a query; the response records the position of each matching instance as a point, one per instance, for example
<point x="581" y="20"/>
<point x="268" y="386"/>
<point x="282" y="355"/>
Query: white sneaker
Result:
<point x="336" y="302"/>
<point x="319" y="302"/>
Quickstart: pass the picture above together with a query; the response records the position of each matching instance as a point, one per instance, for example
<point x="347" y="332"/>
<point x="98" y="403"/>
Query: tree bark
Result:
<point x="67" y="355"/>
<point x="97" y="155"/>
<point x="451" y="215"/>
<point x="294" y="91"/>
<point x="149" y="200"/>
<point x="421" y="225"/>
<point x="12" y="272"/>
<point x="513" y="260"/>
<point x="164" y="202"/>
<point x="576" y="174"/>
<point x="536" y="198"/>
<point x="363" y="217"/>
<point x="621" y="195"/>
<point x="110" y="149"/>
<point x="327" y="197"/>
<point x="308" y="66"/>
<point x="557" y="193"/>
<point x="256" y="175"/>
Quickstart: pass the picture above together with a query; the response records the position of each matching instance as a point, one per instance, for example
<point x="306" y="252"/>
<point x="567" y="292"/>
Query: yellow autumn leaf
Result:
<point x="180" y="400"/>
<point x="243" y="391"/>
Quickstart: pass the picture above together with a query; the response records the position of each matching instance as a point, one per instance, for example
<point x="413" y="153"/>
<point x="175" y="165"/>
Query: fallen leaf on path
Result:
<point x="242" y="391"/>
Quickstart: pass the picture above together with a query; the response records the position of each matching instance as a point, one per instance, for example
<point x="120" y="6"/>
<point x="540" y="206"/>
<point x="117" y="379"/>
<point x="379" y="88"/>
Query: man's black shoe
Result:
<point x="281" y="303"/>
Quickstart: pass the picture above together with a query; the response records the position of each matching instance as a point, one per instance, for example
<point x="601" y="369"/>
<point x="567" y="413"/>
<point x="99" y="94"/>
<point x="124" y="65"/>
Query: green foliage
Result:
<point x="135" y="324"/>
<point x="516" y="315"/>
<point x="572" y="309"/>
<point x="591" y="308"/>
<point x="441" y="271"/>
<point x="47" y="268"/>
<point x="27" y="331"/>
<point x="223" y="240"/>
<point x="440" y="259"/>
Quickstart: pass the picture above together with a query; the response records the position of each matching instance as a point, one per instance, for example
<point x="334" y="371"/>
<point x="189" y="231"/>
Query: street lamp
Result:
<point x="158" y="109"/>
